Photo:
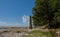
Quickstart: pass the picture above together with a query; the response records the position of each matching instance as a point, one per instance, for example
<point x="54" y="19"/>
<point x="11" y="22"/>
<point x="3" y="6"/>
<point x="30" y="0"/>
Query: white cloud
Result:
<point x="25" y="19"/>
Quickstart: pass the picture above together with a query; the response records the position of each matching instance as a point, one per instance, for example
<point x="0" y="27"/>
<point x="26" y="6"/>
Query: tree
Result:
<point x="45" y="11"/>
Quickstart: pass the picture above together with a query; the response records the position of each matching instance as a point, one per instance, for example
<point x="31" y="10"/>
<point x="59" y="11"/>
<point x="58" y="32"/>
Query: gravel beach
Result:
<point x="11" y="34"/>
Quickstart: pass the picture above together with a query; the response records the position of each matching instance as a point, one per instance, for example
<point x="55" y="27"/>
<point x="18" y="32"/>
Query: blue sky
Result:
<point x="15" y="12"/>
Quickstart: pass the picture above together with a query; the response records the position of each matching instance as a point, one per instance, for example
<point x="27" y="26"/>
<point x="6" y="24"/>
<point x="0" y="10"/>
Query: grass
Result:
<point x="37" y="33"/>
<point x="17" y="30"/>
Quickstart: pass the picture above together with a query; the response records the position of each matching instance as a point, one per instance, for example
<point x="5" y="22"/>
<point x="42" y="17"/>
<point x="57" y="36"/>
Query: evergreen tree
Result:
<point x="46" y="12"/>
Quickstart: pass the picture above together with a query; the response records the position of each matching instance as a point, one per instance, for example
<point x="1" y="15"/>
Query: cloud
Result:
<point x="25" y="19"/>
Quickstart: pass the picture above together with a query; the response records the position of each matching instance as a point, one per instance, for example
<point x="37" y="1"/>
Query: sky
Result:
<point x="15" y="12"/>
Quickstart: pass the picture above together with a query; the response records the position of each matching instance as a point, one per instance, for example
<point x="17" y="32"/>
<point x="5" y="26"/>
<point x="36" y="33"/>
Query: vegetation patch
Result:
<point x="37" y="33"/>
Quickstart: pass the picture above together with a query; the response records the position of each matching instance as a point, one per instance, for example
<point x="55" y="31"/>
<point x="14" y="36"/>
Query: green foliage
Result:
<point x="46" y="11"/>
<point x="37" y="33"/>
